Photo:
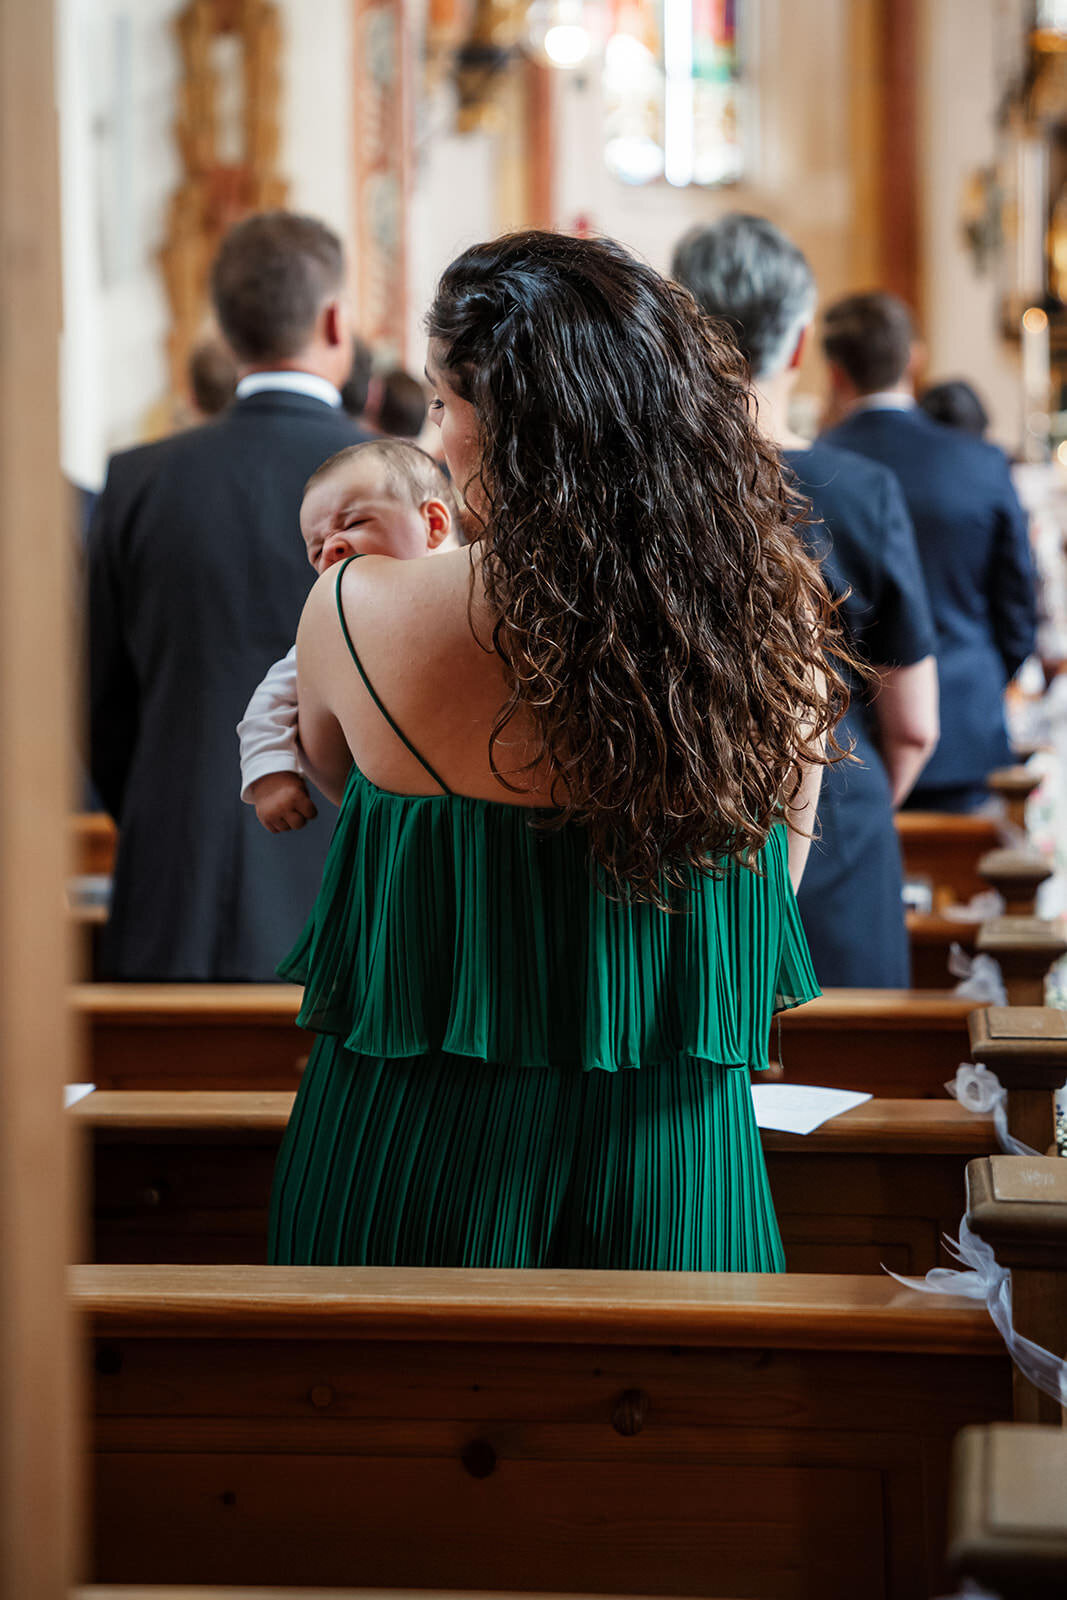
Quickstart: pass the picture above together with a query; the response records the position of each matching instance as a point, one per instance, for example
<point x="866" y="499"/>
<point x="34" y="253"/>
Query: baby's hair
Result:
<point x="410" y="472"/>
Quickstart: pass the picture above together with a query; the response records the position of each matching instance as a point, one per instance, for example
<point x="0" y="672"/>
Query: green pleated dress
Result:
<point x="512" y="1070"/>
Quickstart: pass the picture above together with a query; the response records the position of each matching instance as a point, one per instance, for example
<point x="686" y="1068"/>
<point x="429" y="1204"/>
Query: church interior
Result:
<point x="809" y="1346"/>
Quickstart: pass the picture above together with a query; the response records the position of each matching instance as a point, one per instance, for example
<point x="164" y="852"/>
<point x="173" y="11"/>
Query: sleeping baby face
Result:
<point x="356" y="510"/>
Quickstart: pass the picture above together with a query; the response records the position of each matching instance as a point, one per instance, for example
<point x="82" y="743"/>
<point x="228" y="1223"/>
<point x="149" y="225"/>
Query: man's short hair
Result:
<point x="957" y="405"/>
<point x="869" y="336"/>
<point x="745" y="271"/>
<point x="402" y="411"/>
<point x="269" y="281"/>
<point x="212" y="376"/>
<point x="411" y="473"/>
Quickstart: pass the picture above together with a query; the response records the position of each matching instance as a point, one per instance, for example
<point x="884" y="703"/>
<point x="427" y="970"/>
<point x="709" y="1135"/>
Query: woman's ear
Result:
<point x="438" y="520"/>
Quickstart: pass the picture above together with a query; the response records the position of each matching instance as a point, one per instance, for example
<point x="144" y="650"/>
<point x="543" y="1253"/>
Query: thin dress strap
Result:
<point x="401" y="735"/>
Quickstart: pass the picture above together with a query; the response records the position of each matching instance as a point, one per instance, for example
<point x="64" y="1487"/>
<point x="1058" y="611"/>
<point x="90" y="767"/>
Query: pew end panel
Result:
<point x="1026" y="949"/>
<point x="1014" y="785"/>
<point x="1016" y="875"/>
<point x="1008" y="1512"/>
<point x="1018" y="1205"/>
<point x="630" y="1433"/>
<point x="1026" y="1046"/>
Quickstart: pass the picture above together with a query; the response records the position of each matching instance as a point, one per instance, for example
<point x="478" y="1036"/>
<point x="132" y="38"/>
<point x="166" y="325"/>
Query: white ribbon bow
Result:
<point x="981" y="1091"/>
<point x="981" y="975"/>
<point x="992" y="1283"/>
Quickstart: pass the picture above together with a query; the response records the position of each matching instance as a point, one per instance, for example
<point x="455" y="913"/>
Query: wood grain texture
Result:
<point x="801" y="1312"/>
<point x="463" y="1429"/>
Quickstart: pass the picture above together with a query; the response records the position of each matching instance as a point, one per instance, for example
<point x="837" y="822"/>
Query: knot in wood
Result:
<point x="478" y="1458"/>
<point x="630" y="1412"/>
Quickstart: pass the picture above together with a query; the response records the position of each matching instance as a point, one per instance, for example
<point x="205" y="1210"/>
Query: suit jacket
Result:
<point x="851" y="895"/>
<point x="972" y="538"/>
<point x="197" y="577"/>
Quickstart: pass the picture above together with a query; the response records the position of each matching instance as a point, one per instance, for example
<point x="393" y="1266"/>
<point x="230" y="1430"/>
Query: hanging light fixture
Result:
<point x="561" y="33"/>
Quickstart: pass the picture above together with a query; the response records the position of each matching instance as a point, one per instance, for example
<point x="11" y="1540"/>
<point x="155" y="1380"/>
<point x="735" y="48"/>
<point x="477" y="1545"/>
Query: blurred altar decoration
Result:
<point x="227" y="132"/>
<point x="670" y="74"/>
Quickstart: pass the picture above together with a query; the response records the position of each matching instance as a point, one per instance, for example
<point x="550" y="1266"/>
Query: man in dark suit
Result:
<point x="197" y="577"/>
<point x="744" y="271"/>
<point x="971" y="534"/>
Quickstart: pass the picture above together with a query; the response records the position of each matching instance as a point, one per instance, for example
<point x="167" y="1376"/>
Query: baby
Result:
<point x="385" y="498"/>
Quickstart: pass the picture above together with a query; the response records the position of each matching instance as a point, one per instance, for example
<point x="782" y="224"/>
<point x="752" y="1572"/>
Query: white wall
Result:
<point x="117" y="80"/>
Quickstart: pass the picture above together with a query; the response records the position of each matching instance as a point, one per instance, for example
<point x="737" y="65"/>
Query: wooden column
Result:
<point x="37" y="1390"/>
<point x="540" y="131"/>
<point x="382" y="99"/>
<point x="898" y="181"/>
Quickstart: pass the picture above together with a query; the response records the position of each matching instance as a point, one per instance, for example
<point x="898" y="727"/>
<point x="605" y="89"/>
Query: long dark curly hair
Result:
<point x="663" y="632"/>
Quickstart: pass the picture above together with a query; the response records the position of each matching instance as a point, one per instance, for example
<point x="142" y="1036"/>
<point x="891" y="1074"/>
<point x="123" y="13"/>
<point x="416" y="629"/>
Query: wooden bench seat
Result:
<point x="185" y="1177"/>
<point x="776" y="1437"/>
<point x="945" y="850"/>
<point x="894" y="1042"/>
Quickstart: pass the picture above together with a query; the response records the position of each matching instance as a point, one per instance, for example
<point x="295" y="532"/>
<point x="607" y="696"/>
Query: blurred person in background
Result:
<point x="970" y="530"/>
<point x="397" y="405"/>
<point x="356" y="387"/>
<point x="956" y="405"/>
<point x="197" y="574"/>
<point x="212" y="378"/>
<point x="744" y="271"/>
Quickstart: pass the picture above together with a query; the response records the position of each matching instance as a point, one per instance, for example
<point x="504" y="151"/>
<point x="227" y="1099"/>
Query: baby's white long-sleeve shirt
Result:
<point x="268" y="729"/>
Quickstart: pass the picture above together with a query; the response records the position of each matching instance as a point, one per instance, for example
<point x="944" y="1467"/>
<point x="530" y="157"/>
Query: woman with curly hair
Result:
<point x="577" y="765"/>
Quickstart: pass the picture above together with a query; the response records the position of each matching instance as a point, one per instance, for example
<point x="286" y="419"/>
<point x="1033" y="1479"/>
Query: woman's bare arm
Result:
<point x="800" y="816"/>
<point x="327" y="756"/>
<point x="906" y="710"/>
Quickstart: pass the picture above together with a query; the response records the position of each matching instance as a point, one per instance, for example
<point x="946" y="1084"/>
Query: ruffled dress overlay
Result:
<point x="512" y="1069"/>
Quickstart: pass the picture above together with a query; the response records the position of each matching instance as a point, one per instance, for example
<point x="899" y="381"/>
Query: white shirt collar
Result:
<point x="882" y="400"/>
<point x="308" y="383"/>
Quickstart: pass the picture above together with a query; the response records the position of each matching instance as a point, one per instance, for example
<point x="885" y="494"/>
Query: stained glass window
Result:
<point x="673" y="91"/>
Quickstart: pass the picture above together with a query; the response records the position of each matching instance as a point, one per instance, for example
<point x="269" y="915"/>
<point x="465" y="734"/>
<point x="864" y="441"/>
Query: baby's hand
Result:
<point x="282" y="802"/>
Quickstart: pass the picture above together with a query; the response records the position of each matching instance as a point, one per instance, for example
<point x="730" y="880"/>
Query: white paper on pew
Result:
<point x="800" y="1108"/>
<point x="73" y="1092"/>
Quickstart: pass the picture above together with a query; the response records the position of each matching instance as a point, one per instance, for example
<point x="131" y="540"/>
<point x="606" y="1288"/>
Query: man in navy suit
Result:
<point x="197" y="578"/>
<point x="971" y="534"/>
<point x="743" y="271"/>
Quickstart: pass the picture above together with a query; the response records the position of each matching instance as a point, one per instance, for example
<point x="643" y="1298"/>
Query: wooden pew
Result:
<point x="1026" y="1047"/>
<point x="185" y="1177"/>
<point x="139" y="1592"/>
<point x="946" y="849"/>
<point x="684" y="1434"/>
<point x="930" y="937"/>
<point x="894" y="1042"/>
<point x="1008" y="1513"/>
<point x="192" y="1035"/>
